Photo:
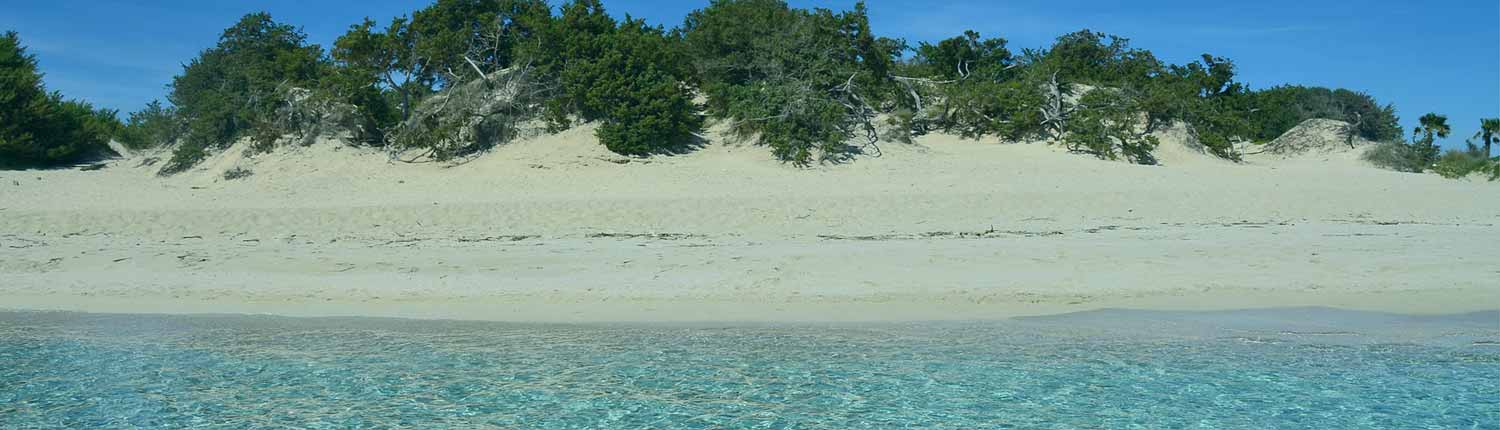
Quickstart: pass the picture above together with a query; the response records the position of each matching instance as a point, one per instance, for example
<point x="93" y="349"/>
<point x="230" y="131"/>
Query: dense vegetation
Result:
<point x="1422" y="153"/>
<point x="629" y="76"/>
<point x="1477" y="158"/>
<point x="41" y="129"/>
<point x="236" y="87"/>
<point x="802" y="80"/>
<point x="1281" y="108"/>
<point x="813" y="85"/>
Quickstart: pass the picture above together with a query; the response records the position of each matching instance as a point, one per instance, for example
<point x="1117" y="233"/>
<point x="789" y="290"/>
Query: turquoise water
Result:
<point x="1102" y="370"/>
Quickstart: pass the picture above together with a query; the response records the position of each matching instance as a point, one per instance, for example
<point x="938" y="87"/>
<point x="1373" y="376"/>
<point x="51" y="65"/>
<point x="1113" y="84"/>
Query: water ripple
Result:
<point x="76" y="371"/>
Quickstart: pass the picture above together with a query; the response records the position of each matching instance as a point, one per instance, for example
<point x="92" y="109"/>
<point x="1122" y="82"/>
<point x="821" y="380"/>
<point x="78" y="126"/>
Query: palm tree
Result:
<point x="1424" y="140"/>
<point x="1489" y="133"/>
<point x="1434" y="124"/>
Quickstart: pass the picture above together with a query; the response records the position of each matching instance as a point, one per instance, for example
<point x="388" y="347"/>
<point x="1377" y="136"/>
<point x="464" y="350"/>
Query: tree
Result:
<point x="236" y="86"/>
<point x="585" y="58"/>
<point x="968" y="85"/>
<point x="973" y="109"/>
<point x="1488" y="134"/>
<point x="483" y="68"/>
<point x="960" y="57"/>
<point x="630" y="76"/>
<point x="804" y="81"/>
<point x="458" y="40"/>
<point x="387" y="73"/>
<point x="1214" y="105"/>
<point x="366" y="67"/>
<point x="1432" y="125"/>
<point x="655" y="115"/>
<point x="1097" y="59"/>
<point x="23" y="101"/>
<point x="1425" y="136"/>
<point x="387" y="60"/>
<point x="1106" y="126"/>
<point x="38" y="129"/>
<point x="1276" y="110"/>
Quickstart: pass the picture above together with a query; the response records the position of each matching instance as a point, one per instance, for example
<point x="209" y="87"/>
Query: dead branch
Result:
<point x="1352" y="130"/>
<point x="469" y="117"/>
<point x="1055" y="111"/>
<point x="475" y="66"/>
<point x="862" y="112"/>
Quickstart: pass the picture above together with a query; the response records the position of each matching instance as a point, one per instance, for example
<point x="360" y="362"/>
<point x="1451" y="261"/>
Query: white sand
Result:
<point x="555" y="229"/>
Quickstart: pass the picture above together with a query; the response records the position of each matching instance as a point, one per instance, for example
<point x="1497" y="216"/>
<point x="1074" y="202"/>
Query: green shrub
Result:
<point x="1034" y="96"/>
<point x="363" y="62"/>
<point x="970" y="86"/>
<point x="187" y="155"/>
<point x="629" y="76"/>
<point x="1388" y="155"/>
<point x="1400" y="156"/>
<point x="901" y="126"/>
<point x="1107" y="126"/>
<point x="38" y="129"/>
<point x="964" y="57"/>
<point x="648" y="110"/>
<point x="237" y="173"/>
<point x="451" y="38"/>
<point x="1212" y="104"/>
<point x="236" y="85"/>
<point x="659" y="121"/>
<point x="590" y="69"/>
<point x="804" y="82"/>
<point x="800" y="125"/>
<point x="387" y="74"/>
<point x="470" y="118"/>
<point x="455" y="78"/>
<point x="1098" y="59"/>
<point x="978" y="108"/>
<point x="1456" y="164"/>
<point x="1277" y="110"/>
<point x="152" y="126"/>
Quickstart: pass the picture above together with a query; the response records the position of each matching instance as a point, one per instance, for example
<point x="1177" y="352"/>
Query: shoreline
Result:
<point x="1461" y="301"/>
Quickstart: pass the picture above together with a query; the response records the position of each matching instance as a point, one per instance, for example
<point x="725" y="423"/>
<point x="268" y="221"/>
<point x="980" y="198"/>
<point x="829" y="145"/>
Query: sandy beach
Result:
<point x="558" y="229"/>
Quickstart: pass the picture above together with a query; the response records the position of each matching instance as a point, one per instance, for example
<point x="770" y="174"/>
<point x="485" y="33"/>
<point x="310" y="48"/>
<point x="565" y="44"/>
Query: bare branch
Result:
<point x="476" y="67"/>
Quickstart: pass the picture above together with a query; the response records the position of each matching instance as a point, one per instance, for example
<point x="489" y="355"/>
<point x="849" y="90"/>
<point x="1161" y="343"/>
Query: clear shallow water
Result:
<point x="1101" y="370"/>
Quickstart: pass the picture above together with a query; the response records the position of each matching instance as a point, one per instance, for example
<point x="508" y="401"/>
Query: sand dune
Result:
<point x="558" y="229"/>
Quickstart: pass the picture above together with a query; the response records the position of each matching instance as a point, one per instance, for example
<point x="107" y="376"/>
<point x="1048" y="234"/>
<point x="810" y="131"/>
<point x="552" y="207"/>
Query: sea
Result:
<point x="1300" y="368"/>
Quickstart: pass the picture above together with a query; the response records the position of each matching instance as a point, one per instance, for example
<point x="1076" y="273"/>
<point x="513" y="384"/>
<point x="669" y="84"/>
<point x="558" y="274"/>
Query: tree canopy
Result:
<point x="41" y="129"/>
<point x="809" y="84"/>
<point x="235" y="87"/>
<point x="1488" y="135"/>
<point x="801" y="80"/>
<point x="629" y="76"/>
<point x="1278" y="109"/>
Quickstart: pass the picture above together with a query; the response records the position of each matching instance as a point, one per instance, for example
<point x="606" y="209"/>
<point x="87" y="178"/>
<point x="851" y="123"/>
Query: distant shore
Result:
<point x="557" y="230"/>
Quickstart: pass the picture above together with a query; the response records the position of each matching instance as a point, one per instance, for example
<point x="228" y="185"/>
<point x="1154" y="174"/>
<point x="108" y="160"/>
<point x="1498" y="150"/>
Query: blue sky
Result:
<point x="1436" y="56"/>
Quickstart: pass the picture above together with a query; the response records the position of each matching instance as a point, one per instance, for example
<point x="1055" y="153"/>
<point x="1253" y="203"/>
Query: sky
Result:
<point x="1436" y="56"/>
